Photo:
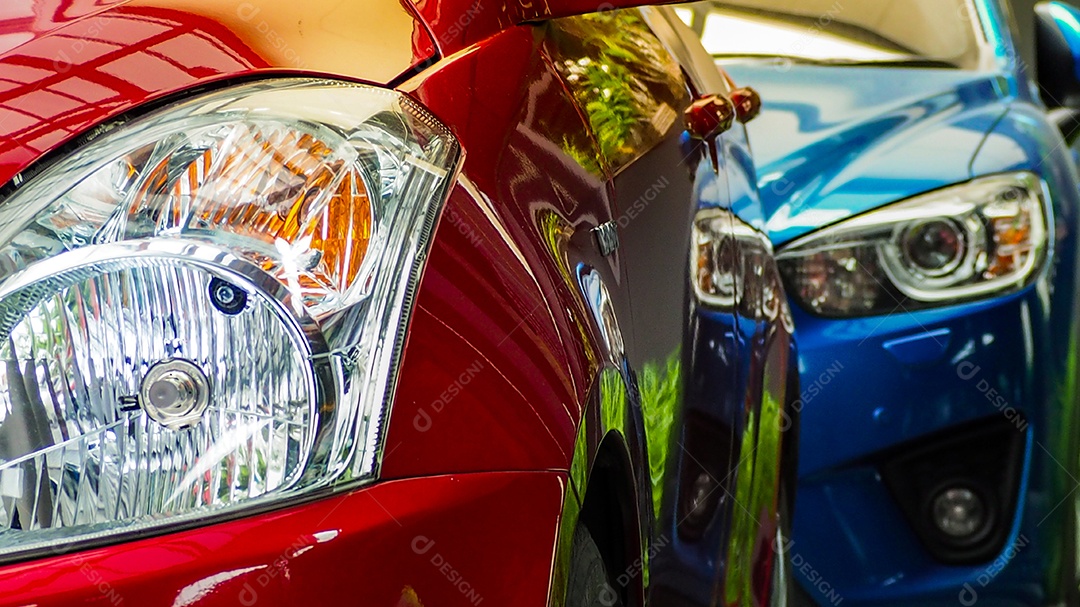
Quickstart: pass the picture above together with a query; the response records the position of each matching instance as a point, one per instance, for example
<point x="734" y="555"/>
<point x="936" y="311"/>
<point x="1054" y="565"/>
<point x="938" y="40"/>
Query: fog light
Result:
<point x="704" y="485"/>
<point x="959" y="512"/>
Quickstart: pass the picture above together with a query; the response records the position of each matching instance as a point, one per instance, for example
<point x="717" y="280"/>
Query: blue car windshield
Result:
<point x="918" y="33"/>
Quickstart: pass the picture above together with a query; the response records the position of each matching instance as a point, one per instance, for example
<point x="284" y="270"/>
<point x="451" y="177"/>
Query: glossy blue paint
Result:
<point x="872" y="561"/>
<point x="920" y="349"/>
<point x="833" y="142"/>
<point x="847" y="375"/>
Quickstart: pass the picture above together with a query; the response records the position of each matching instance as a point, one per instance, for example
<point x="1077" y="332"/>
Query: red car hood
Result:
<point x="67" y="65"/>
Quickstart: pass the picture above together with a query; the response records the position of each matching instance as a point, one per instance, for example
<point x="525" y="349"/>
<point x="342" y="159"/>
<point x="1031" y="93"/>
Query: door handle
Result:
<point x="747" y="104"/>
<point x="709" y="116"/>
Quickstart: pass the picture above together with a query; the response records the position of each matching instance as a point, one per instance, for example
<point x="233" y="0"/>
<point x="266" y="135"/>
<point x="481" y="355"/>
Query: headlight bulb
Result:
<point x="175" y="393"/>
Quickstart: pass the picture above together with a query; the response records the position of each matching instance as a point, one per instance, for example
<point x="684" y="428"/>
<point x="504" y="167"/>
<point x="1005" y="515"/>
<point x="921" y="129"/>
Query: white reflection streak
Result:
<point x="292" y="266"/>
<point x="214" y="455"/>
<point x="196" y="591"/>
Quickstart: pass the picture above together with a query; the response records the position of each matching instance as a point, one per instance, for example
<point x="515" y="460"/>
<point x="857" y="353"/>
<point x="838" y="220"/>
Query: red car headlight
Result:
<point x="201" y="309"/>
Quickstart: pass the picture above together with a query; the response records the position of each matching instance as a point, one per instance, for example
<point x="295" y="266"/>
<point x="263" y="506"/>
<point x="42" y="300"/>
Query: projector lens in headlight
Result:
<point x="201" y="310"/>
<point x="978" y="239"/>
<point x="934" y="247"/>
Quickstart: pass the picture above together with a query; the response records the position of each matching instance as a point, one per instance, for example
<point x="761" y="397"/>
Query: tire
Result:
<point x="588" y="584"/>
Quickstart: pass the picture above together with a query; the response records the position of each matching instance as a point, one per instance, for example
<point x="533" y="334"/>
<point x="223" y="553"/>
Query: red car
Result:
<point x="385" y="304"/>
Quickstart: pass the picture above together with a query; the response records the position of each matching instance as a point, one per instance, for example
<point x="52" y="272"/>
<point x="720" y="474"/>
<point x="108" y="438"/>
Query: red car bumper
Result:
<point x="447" y="541"/>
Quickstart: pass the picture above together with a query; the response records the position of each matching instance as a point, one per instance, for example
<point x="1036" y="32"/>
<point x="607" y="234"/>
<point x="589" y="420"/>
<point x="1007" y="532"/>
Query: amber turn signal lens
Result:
<point x="273" y="185"/>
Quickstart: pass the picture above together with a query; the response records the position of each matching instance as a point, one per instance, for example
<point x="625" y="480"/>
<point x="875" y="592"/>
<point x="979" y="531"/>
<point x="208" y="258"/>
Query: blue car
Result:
<point x="920" y="188"/>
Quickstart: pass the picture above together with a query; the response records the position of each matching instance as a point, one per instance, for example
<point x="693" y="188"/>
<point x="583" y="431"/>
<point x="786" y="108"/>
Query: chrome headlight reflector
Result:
<point x="201" y="310"/>
<point x="983" y="238"/>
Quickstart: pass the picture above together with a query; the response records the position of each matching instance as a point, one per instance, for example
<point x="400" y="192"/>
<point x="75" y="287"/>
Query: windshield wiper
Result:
<point x="840" y="61"/>
<point x="902" y="62"/>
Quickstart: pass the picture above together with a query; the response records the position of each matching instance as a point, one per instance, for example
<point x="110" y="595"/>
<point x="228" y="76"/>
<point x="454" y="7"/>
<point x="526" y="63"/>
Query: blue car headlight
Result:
<point x="983" y="238"/>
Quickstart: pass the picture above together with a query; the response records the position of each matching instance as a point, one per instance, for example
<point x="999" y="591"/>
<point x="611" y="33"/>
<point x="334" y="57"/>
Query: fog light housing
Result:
<point x="959" y="487"/>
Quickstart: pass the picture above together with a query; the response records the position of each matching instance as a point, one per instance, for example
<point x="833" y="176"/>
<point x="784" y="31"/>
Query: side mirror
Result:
<point x="747" y="104"/>
<point x="1057" y="47"/>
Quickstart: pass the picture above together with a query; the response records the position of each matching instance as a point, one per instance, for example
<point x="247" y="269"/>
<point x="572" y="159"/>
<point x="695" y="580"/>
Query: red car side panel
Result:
<point x="458" y="24"/>
<point x="500" y="354"/>
<point x="68" y="75"/>
<point x="447" y="541"/>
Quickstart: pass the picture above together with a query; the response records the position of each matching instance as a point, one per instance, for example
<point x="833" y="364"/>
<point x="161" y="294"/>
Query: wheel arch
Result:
<point x="607" y="493"/>
<point x="610" y="511"/>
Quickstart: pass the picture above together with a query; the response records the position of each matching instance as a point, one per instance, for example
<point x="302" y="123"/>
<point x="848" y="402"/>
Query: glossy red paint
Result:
<point x="459" y="24"/>
<point x="24" y="21"/>
<point x="747" y="103"/>
<point x="709" y="116"/>
<point x="502" y="364"/>
<point x="435" y="541"/>
<point x="516" y="326"/>
<point x="495" y="311"/>
<point x="66" y="69"/>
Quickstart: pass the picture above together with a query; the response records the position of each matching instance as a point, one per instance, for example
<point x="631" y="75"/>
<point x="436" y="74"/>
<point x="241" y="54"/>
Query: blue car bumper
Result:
<point x="872" y="387"/>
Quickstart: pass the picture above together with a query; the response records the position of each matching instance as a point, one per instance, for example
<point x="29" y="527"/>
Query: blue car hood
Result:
<point x="832" y="142"/>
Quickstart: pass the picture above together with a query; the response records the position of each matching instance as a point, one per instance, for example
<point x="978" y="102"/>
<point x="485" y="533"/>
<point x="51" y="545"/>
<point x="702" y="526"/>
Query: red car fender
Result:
<point x="505" y="367"/>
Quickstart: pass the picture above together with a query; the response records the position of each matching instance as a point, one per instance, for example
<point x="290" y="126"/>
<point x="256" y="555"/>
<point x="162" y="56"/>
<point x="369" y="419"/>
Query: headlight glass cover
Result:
<point x="987" y="237"/>
<point x="201" y="309"/>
